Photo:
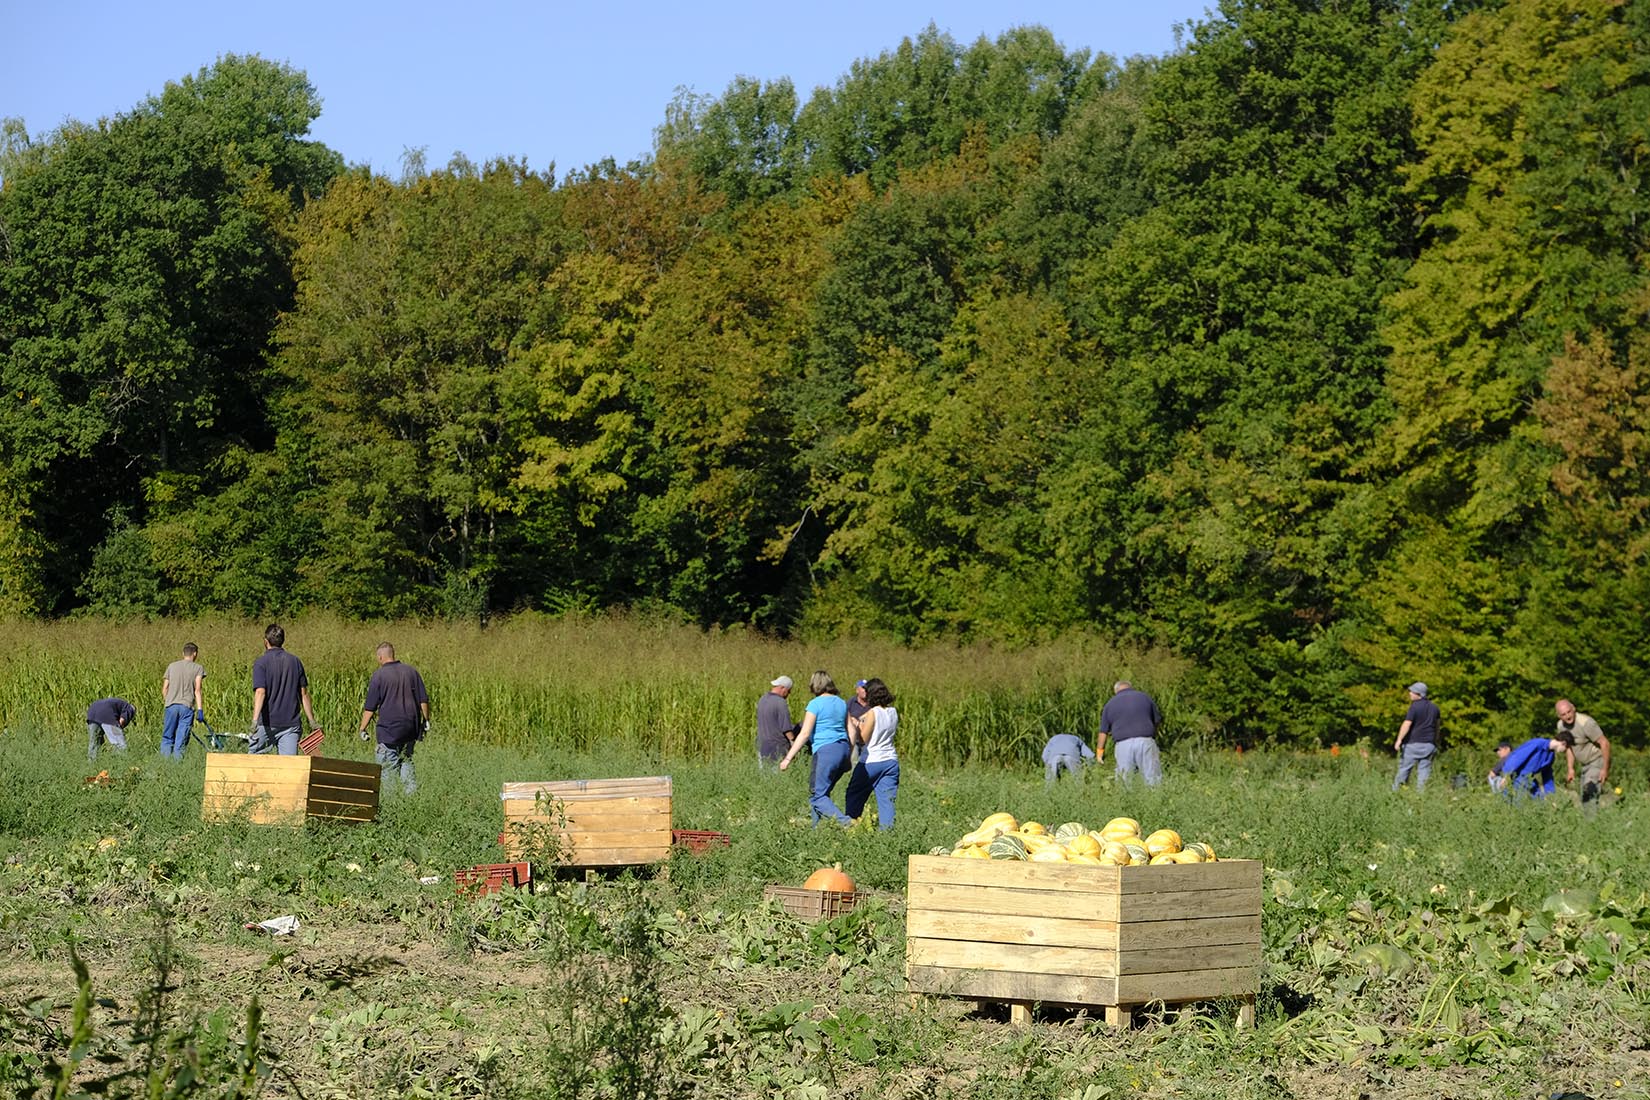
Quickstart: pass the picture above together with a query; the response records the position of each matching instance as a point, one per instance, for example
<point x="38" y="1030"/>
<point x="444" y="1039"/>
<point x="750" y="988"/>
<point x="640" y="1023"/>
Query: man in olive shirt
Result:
<point x="180" y="690"/>
<point x="396" y="697"/>
<point x="1592" y="750"/>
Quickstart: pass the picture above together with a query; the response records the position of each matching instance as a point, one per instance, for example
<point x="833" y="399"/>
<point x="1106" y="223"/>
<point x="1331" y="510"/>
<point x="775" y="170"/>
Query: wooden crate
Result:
<point x="284" y="790"/>
<point x="596" y="822"/>
<point x="813" y="905"/>
<point x="1069" y="934"/>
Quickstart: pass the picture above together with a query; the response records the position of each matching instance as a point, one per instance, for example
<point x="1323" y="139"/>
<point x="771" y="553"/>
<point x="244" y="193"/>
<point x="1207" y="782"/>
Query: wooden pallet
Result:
<point x="1117" y="938"/>
<point x="593" y="822"/>
<point x="286" y="790"/>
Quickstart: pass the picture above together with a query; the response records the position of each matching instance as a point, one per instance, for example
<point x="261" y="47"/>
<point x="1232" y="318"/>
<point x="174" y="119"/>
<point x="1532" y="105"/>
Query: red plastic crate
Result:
<point x="699" y="841"/>
<point x="311" y="743"/>
<point x="490" y="878"/>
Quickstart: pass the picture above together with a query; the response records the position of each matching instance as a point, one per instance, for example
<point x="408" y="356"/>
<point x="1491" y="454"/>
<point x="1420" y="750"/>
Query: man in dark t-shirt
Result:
<point x="106" y="722"/>
<point x="1417" y="742"/>
<point x="396" y="697"/>
<point x="279" y="689"/>
<point x="1131" y="718"/>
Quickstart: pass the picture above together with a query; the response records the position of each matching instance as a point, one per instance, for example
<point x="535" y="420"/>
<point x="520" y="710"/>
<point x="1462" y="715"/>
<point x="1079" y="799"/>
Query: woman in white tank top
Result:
<point x="878" y="768"/>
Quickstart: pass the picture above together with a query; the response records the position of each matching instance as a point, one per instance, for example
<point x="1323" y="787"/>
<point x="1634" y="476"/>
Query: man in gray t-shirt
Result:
<point x="774" y="728"/>
<point x="180" y="690"/>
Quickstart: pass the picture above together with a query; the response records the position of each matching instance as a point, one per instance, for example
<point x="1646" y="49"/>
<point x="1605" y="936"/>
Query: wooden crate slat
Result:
<point x="1232" y="874"/>
<point x="1015" y="957"/>
<point x="1046" y="931"/>
<point x="997" y="985"/>
<point x="1181" y="960"/>
<point x="1193" y="985"/>
<point x="583" y="790"/>
<point x="345" y="769"/>
<point x="622" y="807"/>
<point x="1069" y="877"/>
<point x="617" y="857"/>
<point x="1201" y="932"/>
<point x="1003" y="901"/>
<point x="1189" y="905"/>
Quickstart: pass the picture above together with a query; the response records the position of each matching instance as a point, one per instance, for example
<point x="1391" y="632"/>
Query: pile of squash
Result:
<point x="1117" y="844"/>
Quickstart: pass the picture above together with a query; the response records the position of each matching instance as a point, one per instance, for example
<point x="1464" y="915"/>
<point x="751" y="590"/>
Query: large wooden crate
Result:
<point x="284" y="790"/>
<point x="1068" y="934"/>
<point x="594" y="822"/>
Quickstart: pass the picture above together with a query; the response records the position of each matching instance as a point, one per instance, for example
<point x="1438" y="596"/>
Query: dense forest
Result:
<point x="1315" y="351"/>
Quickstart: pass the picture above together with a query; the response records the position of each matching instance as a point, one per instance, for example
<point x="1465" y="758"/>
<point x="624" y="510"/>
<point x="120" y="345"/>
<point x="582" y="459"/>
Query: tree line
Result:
<point x="1314" y="350"/>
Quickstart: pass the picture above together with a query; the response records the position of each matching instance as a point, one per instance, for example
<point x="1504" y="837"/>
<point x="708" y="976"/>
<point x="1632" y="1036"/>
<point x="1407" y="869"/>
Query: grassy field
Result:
<point x="1414" y="945"/>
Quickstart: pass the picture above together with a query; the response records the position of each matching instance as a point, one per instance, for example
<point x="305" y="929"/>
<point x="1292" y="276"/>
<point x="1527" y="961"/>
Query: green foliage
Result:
<point x="145" y="259"/>
<point x="1312" y="352"/>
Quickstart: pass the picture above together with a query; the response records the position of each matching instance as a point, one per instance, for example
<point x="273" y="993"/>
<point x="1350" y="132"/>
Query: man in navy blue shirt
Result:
<point x="1417" y="741"/>
<point x="279" y="688"/>
<point x="1131" y="718"/>
<point x="396" y="697"/>
<point x="106" y="721"/>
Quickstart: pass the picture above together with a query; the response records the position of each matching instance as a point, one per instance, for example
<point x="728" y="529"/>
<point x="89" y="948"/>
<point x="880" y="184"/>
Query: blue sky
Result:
<point x="567" y="83"/>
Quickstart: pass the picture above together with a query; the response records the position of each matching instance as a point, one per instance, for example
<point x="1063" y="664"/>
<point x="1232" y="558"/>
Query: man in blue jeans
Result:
<point x="180" y="690"/>
<point x="279" y="688"/>
<point x="1417" y="742"/>
<point x="396" y="696"/>
<point x="1528" y="768"/>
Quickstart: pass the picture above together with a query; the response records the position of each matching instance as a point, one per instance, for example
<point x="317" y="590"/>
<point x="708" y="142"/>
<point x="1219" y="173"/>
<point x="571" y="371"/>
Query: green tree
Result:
<point x="144" y="263"/>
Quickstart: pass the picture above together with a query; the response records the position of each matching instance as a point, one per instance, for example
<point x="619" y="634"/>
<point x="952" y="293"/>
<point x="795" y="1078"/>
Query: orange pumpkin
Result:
<point x="830" y="878"/>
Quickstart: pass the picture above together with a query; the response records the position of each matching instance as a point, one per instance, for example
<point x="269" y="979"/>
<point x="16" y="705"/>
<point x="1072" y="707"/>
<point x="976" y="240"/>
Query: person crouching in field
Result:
<point x="396" y="696"/>
<point x="878" y="767"/>
<point x="1528" y="769"/>
<point x="106" y="721"/>
<point x="826" y="726"/>
<point x="1068" y="751"/>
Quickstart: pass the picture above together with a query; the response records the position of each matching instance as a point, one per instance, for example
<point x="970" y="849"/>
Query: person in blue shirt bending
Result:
<point x="825" y="725"/>
<point x="1528" y="769"/>
<point x="1068" y="751"/>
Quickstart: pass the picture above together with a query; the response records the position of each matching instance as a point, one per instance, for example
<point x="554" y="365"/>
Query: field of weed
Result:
<point x="1446" y="944"/>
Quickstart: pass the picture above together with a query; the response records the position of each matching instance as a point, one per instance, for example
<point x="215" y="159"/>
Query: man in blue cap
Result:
<point x="1417" y="741"/>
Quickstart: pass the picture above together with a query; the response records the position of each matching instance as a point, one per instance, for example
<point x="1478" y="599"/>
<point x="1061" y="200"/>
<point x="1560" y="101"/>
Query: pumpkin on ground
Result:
<point x="830" y="878"/>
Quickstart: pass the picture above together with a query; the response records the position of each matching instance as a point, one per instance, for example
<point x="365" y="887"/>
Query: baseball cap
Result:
<point x="861" y="683"/>
<point x="781" y="682"/>
<point x="1505" y="744"/>
<point x="1419" y="688"/>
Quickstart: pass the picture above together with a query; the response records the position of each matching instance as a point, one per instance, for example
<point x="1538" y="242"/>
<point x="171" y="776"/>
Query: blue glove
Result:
<point x="200" y="716"/>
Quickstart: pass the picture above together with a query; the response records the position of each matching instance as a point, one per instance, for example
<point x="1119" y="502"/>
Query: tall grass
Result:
<point x="664" y="689"/>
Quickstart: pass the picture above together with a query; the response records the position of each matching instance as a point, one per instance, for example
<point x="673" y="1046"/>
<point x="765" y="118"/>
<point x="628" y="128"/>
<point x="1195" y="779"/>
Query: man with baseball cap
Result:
<point x="1417" y="741"/>
<point x="774" y="728"/>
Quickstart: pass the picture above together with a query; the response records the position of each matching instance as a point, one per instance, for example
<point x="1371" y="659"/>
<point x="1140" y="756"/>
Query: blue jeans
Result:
<point x="174" y="729"/>
<point x="282" y="742"/>
<point x="881" y="777"/>
<point x="97" y="734"/>
<point x="830" y="765"/>
<point x="393" y="759"/>
<point x="1417" y="759"/>
<point x="1139" y="754"/>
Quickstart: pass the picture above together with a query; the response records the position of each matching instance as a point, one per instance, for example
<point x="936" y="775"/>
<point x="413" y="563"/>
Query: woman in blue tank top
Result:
<point x="826" y="726"/>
